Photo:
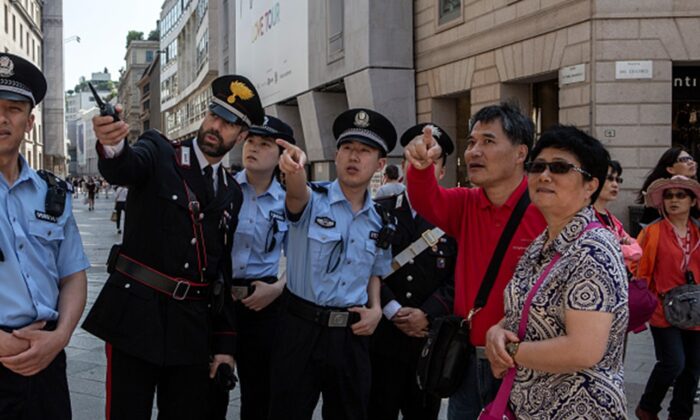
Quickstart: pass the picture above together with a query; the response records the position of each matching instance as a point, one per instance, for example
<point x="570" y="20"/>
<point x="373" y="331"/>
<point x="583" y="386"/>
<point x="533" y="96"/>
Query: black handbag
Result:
<point x="682" y="304"/>
<point x="443" y="360"/>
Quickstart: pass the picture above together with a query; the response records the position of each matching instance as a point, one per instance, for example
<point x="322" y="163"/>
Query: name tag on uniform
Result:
<point x="276" y="216"/>
<point x="325" y="222"/>
<point x="45" y="217"/>
<point x="185" y="156"/>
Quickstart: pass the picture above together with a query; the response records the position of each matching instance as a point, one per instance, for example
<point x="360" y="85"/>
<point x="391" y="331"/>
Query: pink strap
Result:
<point x="501" y="400"/>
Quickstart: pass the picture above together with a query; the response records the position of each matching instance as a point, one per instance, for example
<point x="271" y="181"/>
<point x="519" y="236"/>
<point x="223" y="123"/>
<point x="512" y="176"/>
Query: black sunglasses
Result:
<point x="613" y="178"/>
<point x="668" y="195"/>
<point x="556" y="167"/>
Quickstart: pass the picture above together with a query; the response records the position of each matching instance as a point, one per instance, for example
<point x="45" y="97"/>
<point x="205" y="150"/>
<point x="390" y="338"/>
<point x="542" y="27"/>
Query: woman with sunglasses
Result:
<point x="569" y="361"/>
<point x="674" y="161"/>
<point x="677" y="350"/>
<point x="631" y="251"/>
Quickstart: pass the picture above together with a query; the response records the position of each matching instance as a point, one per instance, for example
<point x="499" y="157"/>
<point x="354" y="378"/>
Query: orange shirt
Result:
<point x="667" y="267"/>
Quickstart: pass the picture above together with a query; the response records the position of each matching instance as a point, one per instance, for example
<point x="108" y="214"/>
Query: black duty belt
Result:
<point x="175" y="287"/>
<point x="323" y="315"/>
<point x="50" y="326"/>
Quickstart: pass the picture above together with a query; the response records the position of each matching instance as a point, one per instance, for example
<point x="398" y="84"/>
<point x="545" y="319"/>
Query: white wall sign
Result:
<point x="272" y="43"/>
<point x="572" y="74"/>
<point x="634" y="69"/>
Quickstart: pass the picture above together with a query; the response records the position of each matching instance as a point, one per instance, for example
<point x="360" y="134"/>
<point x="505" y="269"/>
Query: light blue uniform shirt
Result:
<point x="262" y="217"/>
<point x="38" y="253"/>
<point x="332" y="253"/>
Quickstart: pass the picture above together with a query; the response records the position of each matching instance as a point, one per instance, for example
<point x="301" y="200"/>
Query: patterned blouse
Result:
<point x="590" y="276"/>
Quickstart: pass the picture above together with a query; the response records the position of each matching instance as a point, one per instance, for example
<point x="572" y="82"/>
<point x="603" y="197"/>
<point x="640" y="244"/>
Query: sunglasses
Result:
<point x="685" y="159"/>
<point x="613" y="178"/>
<point x="556" y="167"/>
<point x="668" y="195"/>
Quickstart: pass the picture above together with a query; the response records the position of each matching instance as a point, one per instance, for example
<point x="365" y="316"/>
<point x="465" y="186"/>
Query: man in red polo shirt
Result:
<point x="497" y="148"/>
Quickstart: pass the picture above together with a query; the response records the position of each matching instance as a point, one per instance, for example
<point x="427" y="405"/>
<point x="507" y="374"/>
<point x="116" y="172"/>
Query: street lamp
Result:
<point x="66" y="141"/>
<point x="75" y="38"/>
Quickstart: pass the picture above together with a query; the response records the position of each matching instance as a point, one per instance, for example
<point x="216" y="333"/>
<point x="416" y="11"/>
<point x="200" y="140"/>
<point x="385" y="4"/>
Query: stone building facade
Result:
<point x="624" y="71"/>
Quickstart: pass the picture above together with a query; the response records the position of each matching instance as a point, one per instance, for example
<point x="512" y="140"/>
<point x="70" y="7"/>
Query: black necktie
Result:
<point x="209" y="183"/>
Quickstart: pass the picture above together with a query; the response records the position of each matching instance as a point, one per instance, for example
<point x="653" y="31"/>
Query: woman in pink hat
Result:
<point x="677" y="350"/>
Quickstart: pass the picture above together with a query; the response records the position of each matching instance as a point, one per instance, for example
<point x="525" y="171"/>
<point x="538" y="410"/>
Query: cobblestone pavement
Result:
<point x="86" y="357"/>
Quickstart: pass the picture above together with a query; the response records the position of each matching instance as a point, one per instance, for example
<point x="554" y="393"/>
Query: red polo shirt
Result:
<point x="467" y="215"/>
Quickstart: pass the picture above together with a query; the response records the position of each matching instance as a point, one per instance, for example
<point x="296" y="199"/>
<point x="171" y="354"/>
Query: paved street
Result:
<point x="86" y="359"/>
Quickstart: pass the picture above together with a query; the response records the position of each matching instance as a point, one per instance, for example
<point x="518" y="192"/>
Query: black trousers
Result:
<point x="678" y="363"/>
<point x="394" y="389"/>
<point x="310" y="360"/>
<point x="132" y="382"/>
<point x="38" y="397"/>
<point x="256" y="334"/>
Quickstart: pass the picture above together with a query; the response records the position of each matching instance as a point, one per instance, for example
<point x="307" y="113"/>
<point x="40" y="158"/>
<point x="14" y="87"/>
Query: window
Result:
<point x="334" y="28"/>
<point x="7" y="22"/>
<point x="33" y="50"/>
<point x="449" y="10"/>
<point x="14" y="28"/>
<point x="21" y="35"/>
<point x="27" y="42"/>
<point x="149" y="56"/>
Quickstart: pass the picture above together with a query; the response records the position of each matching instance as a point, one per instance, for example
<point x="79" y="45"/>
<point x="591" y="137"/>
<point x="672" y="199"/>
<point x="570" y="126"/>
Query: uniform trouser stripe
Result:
<point x="108" y="382"/>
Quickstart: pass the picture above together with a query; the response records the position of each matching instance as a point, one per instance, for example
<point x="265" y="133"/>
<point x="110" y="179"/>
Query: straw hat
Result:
<point x="654" y="194"/>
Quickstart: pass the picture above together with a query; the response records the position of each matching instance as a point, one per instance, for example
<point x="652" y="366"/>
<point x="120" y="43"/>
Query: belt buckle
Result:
<point x="429" y="237"/>
<point x="178" y="292"/>
<point x="239" y="292"/>
<point x="338" y="319"/>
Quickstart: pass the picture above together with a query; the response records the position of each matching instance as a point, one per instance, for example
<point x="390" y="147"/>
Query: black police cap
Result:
<point x="275" y="128"/>
<point x="235" y="99"/>
<point x="366" y="126"/>
<point x="439" y="135"/>
<point x="20" y="80"/>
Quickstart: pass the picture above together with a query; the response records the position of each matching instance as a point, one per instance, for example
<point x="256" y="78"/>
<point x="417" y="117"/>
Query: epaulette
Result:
<point x="55" y="201"/>
<point x="319" y="187"/>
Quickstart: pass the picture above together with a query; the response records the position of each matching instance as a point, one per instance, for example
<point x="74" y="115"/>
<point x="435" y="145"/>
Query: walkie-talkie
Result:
<point x="105" y="107"/>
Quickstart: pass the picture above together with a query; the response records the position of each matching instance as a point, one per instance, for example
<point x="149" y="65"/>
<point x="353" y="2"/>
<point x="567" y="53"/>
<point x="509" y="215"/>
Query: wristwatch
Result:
<point x="512" y="349"/>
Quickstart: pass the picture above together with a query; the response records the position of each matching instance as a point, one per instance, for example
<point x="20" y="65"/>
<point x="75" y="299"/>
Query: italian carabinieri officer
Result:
<point x="164" y="311"/>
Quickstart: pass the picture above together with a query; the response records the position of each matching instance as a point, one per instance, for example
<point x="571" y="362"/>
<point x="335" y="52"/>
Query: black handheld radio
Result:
<point x="105" y="107"/>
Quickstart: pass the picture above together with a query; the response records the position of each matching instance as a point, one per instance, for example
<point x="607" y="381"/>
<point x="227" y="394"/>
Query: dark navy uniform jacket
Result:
<point x="427" y="284"/>
<point x="159" y="233"/>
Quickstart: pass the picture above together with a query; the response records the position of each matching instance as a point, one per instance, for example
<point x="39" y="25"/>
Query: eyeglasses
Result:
<point x="613" y="178"/>
<point x="685" y="159"/>
<point x="668" y="195"/>
<point x="556" y="167"/>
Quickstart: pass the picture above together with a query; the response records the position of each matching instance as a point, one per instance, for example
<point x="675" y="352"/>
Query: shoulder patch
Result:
<point x="325" y="222"/>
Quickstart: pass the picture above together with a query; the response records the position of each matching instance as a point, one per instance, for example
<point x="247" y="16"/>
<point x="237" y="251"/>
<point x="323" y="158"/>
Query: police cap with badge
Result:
<point x="235" y="100"/>
<point x="439" y="135"/>
<point x="21" y="80"/>
<point x="274" y="128"/>
<point x="365" y="126"/>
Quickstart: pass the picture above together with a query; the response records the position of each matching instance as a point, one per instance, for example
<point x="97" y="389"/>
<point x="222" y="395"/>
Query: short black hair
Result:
<point x="616" y="167"/>
<point x="588" y="150"/>
<point x="392" y="172"/>
<point x="518" y="127"/>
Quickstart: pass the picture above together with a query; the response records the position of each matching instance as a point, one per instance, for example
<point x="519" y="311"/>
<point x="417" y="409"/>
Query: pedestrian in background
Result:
<point x="42" y="262"/>
<point x="164" y="311"/>
<point x="335" y="260"/>
<point x="497" y="147"/>
<point x="569" y="357"/>
<point x="674" y="161"/>
<point x="392" y="184"/>
<point x="671" y="257"/>
<point x="120" y="205"/>
<point x="420" y="290"/>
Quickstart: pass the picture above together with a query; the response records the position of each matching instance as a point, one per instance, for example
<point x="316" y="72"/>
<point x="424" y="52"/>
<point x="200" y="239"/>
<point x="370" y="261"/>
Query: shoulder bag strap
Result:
<point x="495" y="264"/>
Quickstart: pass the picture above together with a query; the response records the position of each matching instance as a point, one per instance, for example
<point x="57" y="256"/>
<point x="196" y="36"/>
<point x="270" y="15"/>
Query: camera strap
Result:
<point x="427" y="239"/>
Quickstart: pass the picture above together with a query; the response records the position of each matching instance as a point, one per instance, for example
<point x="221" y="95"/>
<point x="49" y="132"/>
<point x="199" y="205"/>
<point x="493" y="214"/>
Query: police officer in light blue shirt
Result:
<point x="336" y="256"/>
<point x="260" y="236"/>
<point x="43" y="285"/>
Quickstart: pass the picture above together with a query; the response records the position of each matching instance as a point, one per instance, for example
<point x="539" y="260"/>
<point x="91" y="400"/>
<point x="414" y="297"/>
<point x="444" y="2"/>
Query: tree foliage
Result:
<point x="133" y="36"/>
